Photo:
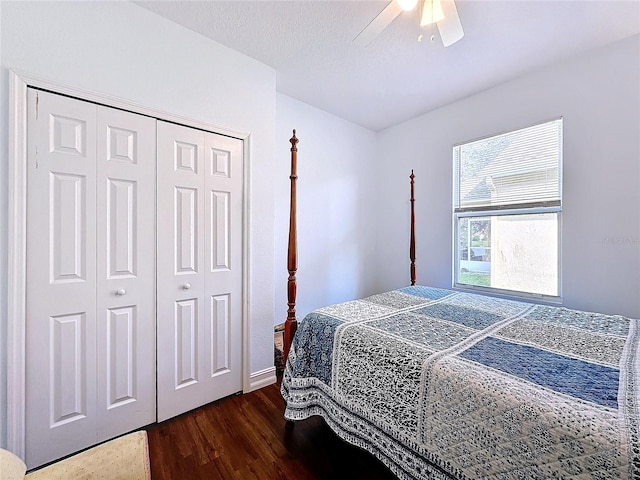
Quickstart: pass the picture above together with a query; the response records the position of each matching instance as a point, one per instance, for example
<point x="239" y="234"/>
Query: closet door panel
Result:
<point x="223" y="276"/>
<point x="186" y="343"/>
<point x="61" y="272"/>
<point x="67" y="344"/>
<point x="187" y="246"/>
<point x="180" y="267"/>
<point x="126" y="159"/>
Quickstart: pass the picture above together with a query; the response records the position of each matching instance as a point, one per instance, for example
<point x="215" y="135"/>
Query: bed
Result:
<point x="444" y="384"/>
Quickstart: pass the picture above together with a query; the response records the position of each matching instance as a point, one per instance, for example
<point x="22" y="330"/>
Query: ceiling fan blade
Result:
<point x="450" y="27"/>
<point x="378" y="24"/>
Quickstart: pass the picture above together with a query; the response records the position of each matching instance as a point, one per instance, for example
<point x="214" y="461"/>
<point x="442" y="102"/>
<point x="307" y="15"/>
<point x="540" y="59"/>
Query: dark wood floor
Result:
<point x="245" y="437"/>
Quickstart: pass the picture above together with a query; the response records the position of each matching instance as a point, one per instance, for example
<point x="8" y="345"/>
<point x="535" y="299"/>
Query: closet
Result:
<point x="134" y="272"/>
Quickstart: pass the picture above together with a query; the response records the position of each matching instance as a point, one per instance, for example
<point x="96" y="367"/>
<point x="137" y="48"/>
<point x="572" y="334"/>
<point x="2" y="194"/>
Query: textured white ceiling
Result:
<point x="310" y="44"/>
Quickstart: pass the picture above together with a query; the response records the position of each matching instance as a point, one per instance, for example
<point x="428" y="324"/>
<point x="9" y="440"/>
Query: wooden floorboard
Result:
<point x="245" y="437"/>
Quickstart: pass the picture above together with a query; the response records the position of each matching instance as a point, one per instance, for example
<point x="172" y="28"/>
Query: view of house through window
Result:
<point x="507" y="204"/>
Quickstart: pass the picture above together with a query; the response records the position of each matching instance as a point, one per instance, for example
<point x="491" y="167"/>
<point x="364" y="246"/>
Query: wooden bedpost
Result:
<point x="412" y="242"/>
<point x="291" y="324"/>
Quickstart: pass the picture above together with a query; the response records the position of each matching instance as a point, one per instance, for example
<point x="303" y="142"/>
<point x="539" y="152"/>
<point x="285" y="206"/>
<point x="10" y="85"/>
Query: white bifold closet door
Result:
<point x="199" y="268"/>
<point x="90" y="327"/>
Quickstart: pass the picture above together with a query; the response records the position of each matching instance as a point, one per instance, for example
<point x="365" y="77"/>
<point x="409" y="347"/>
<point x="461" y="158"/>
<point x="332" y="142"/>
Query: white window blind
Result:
<point x="519" y="169"/>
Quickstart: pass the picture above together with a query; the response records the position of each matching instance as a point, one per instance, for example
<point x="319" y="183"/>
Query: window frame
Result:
<point x="534" y="208"/>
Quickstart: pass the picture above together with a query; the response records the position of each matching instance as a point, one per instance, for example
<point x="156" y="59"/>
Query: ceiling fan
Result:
<point x="441" y="12"/>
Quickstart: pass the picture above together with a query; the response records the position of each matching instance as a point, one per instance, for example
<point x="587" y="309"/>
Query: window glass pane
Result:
<point x="509" y="252"/>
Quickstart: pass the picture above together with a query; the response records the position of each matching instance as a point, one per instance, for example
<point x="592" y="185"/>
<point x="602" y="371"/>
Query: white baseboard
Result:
<point x="261" y="379"/>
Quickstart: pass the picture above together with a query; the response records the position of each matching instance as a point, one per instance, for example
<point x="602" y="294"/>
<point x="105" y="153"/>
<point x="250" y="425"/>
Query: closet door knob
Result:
<point x="186" y="286"/>
<point x="121" y="292"/>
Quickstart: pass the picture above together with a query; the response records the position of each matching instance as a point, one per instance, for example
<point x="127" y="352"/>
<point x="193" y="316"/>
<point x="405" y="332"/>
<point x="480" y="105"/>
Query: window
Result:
<point x="507" y="204"/>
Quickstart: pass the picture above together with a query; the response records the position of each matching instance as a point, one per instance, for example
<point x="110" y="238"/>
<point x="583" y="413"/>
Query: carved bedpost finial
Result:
<point x="294" y="141"/>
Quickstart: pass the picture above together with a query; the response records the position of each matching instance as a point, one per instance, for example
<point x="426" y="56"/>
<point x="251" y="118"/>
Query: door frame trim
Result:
<point x="19" y="82"/>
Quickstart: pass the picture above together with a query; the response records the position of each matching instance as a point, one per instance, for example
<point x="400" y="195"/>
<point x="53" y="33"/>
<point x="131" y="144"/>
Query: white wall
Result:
<point x="598" y="95"/>
<point x="122" y="50"/>
<point x="336" y="219"/>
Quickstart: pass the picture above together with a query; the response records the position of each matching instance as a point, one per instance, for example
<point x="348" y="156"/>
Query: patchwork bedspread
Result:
<point x="449" y="385"/>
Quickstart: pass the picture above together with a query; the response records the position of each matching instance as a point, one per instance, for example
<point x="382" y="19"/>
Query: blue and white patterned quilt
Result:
<point x="450" y="385"/>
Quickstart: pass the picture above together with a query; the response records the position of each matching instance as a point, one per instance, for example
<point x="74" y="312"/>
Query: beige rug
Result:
<point x="123" y="458"/>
